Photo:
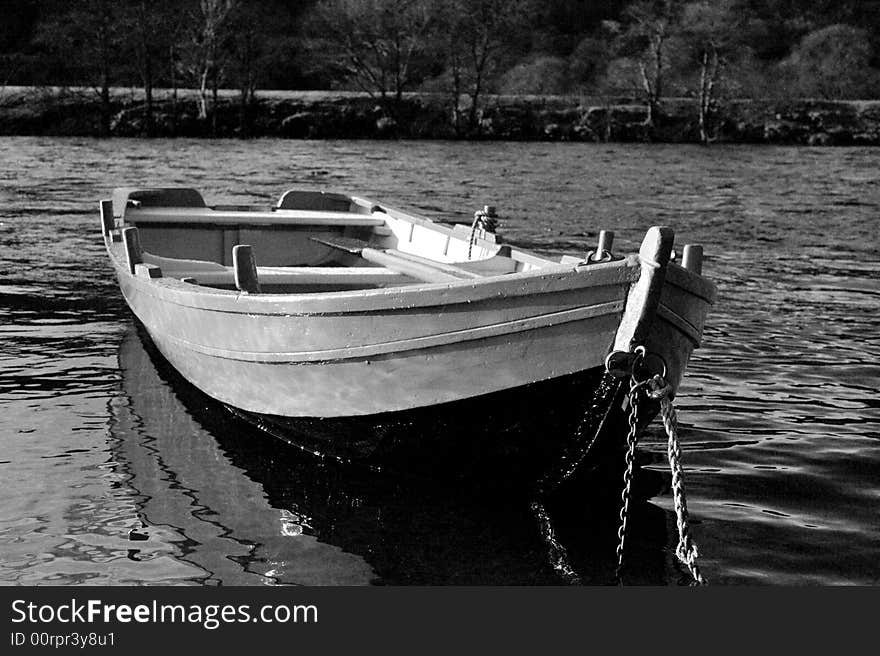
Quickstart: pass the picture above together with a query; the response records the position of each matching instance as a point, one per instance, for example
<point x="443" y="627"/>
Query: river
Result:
<point x="115" y="473"/>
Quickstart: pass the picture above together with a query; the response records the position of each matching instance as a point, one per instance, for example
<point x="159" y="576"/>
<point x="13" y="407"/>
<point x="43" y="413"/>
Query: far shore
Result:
<point x="78" y="111"/>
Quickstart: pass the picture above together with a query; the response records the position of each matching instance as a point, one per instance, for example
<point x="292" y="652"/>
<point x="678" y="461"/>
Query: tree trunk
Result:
<point x="479" y="69"/>
<point x="214" y="96"/>
<point x="243" y="113"/>
<point x="476" y="90"/>
<point x="473" y="114"/>
<point x="607" y="131"/>
<point x="651" y="101"/>
<point x="246" y="84"/>
<point x="246" y="108"/>
<point x="398" y="109"/>
<point x="704" y="72"/>
<point x="203" y="94"/>
<point x="147" y="67"/>
<point x="653" y="87"/>
<point x="148" y="97"/>
<point x="105" y="104"/>
<point x="658" y="68"/>
<point x="708" y="77"/>
<point x="456" y="95"/>
<point x="105" y="85"/>
<point x="398" y="83"/>
<point x="173" y="79"/>
<point x="104" y="46"/>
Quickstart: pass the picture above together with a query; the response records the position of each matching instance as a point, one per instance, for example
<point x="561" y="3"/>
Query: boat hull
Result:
<point x="345" y="363"/>
<point x="531" y="436"/>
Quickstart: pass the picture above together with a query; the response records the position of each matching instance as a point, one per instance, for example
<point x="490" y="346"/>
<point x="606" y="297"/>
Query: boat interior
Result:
<point x="311" y="241"/>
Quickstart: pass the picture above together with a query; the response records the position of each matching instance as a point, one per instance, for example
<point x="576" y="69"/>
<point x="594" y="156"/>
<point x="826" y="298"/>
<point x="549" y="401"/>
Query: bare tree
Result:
<point x="175" y="30"/>
<point x="711" y="30"/>
<point x="154" y="26"/>
<point x="103" y="48"/>
<point x="377" y="44"/>
<point x="653" y="23"/>
<point x="446" y="36"/>
<point x="249" y="40"/>
<point x="146" y="51"/>
<point x="204" y="57"/>
<point x="475" y="35"/>
<point x="84" y="38"/>
<point x="15" y="34"/>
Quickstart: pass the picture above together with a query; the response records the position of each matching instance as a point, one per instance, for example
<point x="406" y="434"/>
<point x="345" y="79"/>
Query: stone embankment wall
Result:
<point x="332" y="115"/>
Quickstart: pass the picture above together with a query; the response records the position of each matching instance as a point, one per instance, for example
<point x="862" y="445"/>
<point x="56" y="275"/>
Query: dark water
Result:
<point x="112" y="472"/>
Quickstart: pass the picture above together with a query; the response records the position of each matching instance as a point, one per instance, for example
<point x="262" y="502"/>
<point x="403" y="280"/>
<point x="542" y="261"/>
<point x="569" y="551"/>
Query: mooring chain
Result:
<point x="626" y="494"/>
<point x="654" y="387"/>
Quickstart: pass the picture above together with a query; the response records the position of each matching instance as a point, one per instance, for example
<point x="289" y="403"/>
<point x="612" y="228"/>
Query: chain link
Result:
<point x="658" y="389"/>
<point x="625" y="496"/>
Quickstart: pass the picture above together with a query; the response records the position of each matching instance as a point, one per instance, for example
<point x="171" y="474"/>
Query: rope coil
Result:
<point x="484" y="219"/>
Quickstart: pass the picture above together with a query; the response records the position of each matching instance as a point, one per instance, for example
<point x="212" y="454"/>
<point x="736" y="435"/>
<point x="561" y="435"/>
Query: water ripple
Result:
<point x="780" y="412"/>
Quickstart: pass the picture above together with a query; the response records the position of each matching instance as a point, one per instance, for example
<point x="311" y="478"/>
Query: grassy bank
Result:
<point x="322" y="115"/>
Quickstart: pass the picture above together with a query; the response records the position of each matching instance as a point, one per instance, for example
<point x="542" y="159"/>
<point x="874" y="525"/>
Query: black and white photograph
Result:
<point x="520" y="293"/>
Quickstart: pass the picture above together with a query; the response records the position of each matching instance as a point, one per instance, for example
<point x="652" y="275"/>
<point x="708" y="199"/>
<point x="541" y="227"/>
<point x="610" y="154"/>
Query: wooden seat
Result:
<point x="191" y="216"/>
<point x="314" y="200"/>
<point x="499" y="264"/>
<point x="186" y="206"/>
<point x="208" y="273"/>
<point x="124" y="197"/>
<point x="245" y="269"/>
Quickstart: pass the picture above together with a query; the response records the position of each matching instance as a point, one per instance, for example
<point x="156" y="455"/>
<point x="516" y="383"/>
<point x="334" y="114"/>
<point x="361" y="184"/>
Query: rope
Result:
<point x="484" y="219"/>
<point x="686" y="550"/>
<point x="658" y="389"/>
<point x="631" y="365"/>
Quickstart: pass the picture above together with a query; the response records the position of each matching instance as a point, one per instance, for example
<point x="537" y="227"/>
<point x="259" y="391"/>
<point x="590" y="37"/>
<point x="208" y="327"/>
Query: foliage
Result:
<point x="832" y="62"/>
<point x="474" y="39"/>
<point x="591" y="58"/>
<point x="545" y="75"/>
<point x="379" y="45"/>
<point x="711" y="32"/>
<point x="464" y="48"/>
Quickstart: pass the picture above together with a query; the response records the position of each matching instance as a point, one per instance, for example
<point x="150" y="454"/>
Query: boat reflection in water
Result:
<point x="245" y="508"/>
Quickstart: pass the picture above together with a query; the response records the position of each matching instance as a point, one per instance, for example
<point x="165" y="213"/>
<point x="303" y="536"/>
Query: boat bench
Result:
<point x="244" y="273"/>
<point x="291" y="276"/>
<point x="281" y="217"/>
<point x="211" y="273"/>
<point x="422" y="268"/>
<point x="186" y="206"/>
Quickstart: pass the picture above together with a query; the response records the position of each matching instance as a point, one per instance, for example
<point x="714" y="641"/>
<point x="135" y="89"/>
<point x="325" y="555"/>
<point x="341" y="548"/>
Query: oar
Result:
<point x="406" y="263"/>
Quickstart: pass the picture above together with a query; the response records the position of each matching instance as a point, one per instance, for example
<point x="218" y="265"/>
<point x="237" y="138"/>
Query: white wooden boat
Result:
<point x="333" y="307"/>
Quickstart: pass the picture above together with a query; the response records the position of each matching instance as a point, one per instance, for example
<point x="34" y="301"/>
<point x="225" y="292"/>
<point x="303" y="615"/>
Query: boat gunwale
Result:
<point x="690" y="282"/>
